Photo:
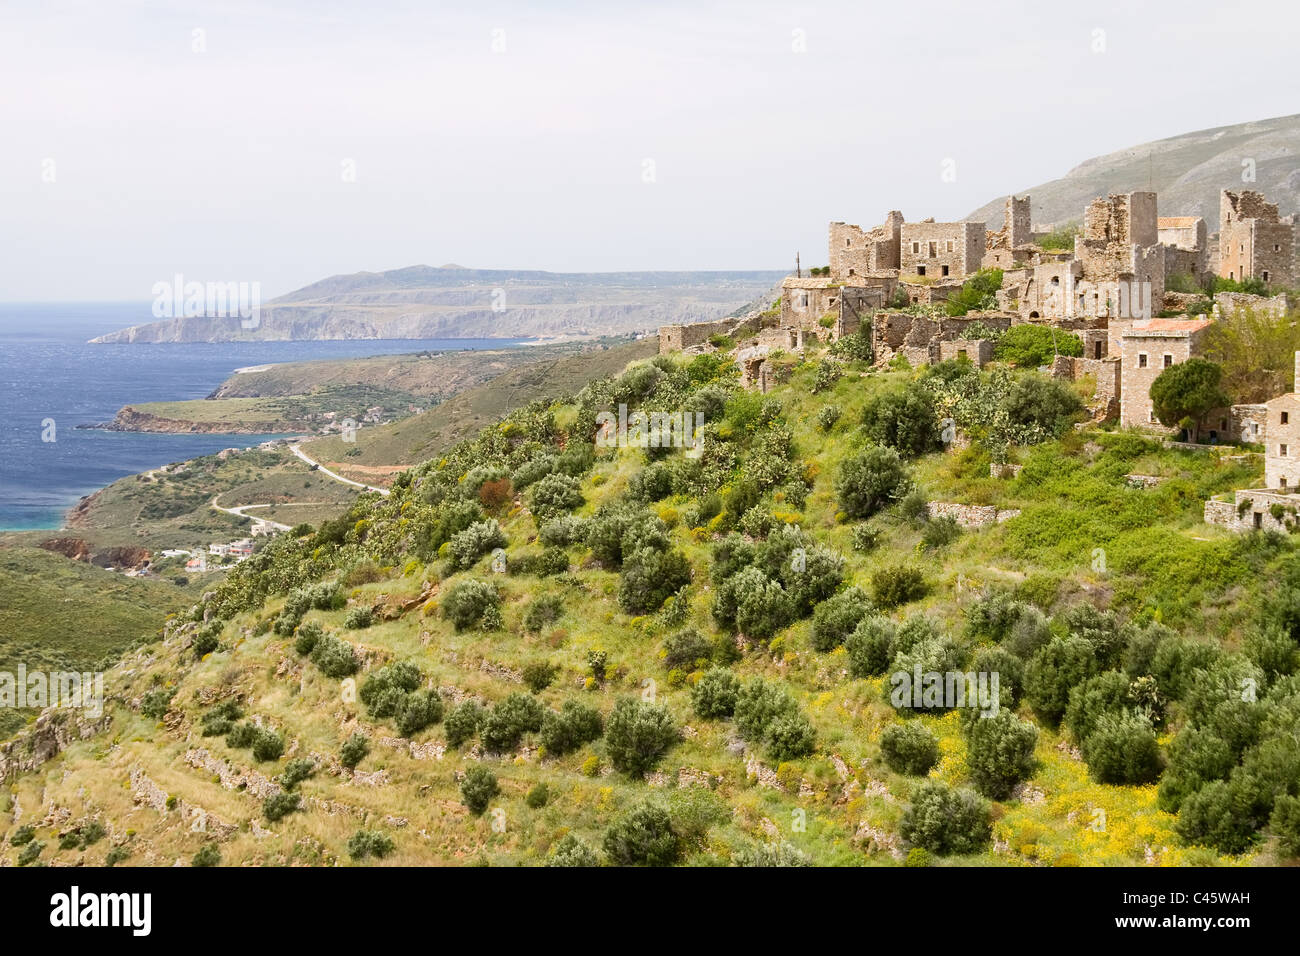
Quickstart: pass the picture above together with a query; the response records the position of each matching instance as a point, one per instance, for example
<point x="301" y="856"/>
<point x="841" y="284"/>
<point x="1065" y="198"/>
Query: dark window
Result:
<point x="920" y="270"/>
<point x="945" y="270"/>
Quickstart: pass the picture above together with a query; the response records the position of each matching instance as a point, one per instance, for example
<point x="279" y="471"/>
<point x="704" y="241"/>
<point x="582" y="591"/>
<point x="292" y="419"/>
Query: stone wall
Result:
<point x="1254" y="242"/>
<point x="855" y="251"/>
<point x="1106" y="395"/>
<point x="677" y="338"/>
<point x="979" y="351"/>
<point x="970" y="516"/>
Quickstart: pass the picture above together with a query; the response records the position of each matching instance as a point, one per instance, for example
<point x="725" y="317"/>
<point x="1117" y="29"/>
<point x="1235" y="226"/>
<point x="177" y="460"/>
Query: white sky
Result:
<point x="226" y="165"/>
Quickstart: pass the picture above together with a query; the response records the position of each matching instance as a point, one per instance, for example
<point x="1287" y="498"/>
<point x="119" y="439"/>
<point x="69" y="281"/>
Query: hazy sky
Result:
<point x="509" y="135"/>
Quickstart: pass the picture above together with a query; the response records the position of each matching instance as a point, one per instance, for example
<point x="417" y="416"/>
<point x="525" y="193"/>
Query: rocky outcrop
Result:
<point x="54" y="730"/>
<point x="130" y="419"/>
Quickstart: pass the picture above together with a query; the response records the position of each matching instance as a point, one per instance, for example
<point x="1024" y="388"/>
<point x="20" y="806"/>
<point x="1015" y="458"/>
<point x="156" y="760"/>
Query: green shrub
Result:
<point x="898" y="585"/>
<point x="468" y="601"/>
<point x="1122" y="749"/>
<point x="334" y="658"/>
<point x="309" y="634"/>
<point x="477" y="788"/>
<point x="643" y="836"/>
<point x="359" y="618"/>
<point x="555" y="494"/>
<point x="508" y="721"/>
<point x="637" y="734"/>
<point x="828" y="416"/>
<point x="544" y="611"/>
<point x="463" y="722"/>
<point x="467" y="546"/>
<point x="537" y="796"/>
<point x="903" y="419"/>
<point x="945" y="821"/>
<point x="650" y="577"/>
<point x="686" y="650"/>
<point x="241" y="736"/>
<point x="1285" y="824"/>
<point x="575" y="724"/>
<point x="268" y="745"/>
<point x="154" y="703"/>
<point x="116" y="855"/>
<point x="296" y="771"/>
<point x="30" y="852"/>
<point x="353" y="751"/>
<point x="999" y="752"/>
<point x="1096" y="697"/>
<point x="23" y="835"/>
<point x="539" y="675"/>
<point x="870" y="646"/>
<point x="209" y="855"/>
<point x="279" y="805"/>
<point x="715" y="693"/>
<point x="367" y="843"/>
<point x="869" y="481"/>
<point x="909" y="748"/>
<point x="1054" y="671"/>
<point x="570" y="851"/>
<point x="218" y="721"/>
<point x="836" y="618"/>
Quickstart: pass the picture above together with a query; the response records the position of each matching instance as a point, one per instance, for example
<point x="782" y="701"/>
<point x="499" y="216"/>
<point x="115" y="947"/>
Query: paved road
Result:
<point x="297" y="450"/>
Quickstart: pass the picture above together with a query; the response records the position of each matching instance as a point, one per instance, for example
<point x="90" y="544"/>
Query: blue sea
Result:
<point x="48" y="371"/>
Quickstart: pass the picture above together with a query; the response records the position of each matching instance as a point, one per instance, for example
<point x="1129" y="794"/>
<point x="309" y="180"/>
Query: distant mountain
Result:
<point x="1188" y="172"/>
<point x="424" y="302"/>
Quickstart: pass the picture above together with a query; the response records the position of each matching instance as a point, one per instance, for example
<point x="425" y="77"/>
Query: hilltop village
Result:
<point x="1134" y="287"/>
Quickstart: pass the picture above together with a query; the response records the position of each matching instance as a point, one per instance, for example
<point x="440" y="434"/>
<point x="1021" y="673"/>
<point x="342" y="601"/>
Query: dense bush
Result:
<point x="637" y="734"/>
<point x="898" y="585"/>
<point x="366" y="843"/>
<point x="869" y="481"/>
<point x="359" y="618"/>
<point x="909" y="748"/>
<point x="477" y="788"/>
<point x="508" y="721"/>
<point x="643" y="836"/>
<point x="564" y="531"/>
<point x="650" y="577"/>
<point x="468" y="602"/>
<point x="154" y="703"/>
<point x="280" y="805"/>
<point x="335" y="658"/>
<point x="715" y="693"/>
<point x="575" y="724"/>
<point x="1122" y="749"/>
<point x="555" y="494"/>
<point x="353" y="751"/>
<point x="296" y="771"/>
<point x="544" y="611"/>
<point x="308" y="637"/>
<point x="1107" y="693"/>
<point x="687" y="650"/>
<point x="836" y="618"/>
<point x="209" y="855"/>
<point x="267" y="745"/>
<point x="570" y="851"/>
<point x="467" y="546"/>
<point x="946" y="821"/>
<point x="539" y="675"/>
<point x="903" y="419"/>
<point x="1054" y="671"/>
<point x="999" y="752"/>
<point x="870" y="646"/>
<point x="463" y="722"/>
<point x="768" y="716"/>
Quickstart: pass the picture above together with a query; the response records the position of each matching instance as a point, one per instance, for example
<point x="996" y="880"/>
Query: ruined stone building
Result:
<point x="1117" y="271"/>
<point x="941" y="250"/>
<point x="1254" y="243"/>
<point x="1186" y="245"/>
<point x="856" y="253"/>
<point x="1281" y="438"/>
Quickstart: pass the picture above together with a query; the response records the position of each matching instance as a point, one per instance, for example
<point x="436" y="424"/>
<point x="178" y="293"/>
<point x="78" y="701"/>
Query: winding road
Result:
<point x="297" y="450"/>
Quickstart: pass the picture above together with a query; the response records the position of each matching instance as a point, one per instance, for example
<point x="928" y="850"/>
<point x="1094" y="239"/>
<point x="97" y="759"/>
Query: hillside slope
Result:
<point x="538" y="651"/>
<point x="421" y="302"/>
<point x="1188" y="172"/>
